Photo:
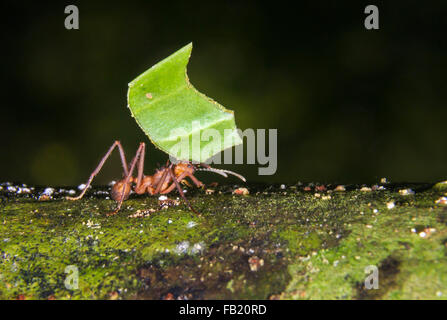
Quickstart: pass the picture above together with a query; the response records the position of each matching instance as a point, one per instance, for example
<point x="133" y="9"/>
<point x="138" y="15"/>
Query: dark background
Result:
<point x="350" y="105"/>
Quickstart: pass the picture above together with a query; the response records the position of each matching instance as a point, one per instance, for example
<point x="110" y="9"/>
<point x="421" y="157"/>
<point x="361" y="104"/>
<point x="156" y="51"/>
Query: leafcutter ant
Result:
<point x="163" y="181"/>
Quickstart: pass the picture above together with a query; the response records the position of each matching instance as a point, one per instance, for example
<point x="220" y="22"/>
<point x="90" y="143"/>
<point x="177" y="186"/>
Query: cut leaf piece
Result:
<point x="177" y="118"/>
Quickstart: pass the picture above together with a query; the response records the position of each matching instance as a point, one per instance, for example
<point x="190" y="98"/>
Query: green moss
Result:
<point x="274" y="243"/>
<point x="441" y="186"/>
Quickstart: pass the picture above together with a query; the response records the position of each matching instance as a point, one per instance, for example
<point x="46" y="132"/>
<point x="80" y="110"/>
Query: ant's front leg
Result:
<point x="99" y="167"/>
<point x="196" y="181"/>
<point x="179" y="188"/>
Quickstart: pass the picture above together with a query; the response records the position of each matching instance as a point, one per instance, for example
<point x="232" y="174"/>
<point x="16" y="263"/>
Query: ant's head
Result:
<point x="184" y="167"/>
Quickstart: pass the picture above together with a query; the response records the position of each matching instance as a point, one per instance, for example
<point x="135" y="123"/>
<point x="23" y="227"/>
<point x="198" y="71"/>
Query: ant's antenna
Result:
<point x="222" y="172"/>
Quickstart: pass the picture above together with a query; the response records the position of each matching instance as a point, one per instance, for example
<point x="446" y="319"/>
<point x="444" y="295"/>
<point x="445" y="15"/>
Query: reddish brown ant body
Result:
<point x="163" y="181"/>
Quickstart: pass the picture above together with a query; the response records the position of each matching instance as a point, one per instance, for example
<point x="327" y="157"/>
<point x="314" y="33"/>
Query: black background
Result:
<point x="350" y="105"/>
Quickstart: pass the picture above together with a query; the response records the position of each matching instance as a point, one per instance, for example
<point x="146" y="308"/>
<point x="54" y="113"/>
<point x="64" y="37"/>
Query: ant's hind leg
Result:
<point x="139" y="155"/>
<point x="99" y="167"/>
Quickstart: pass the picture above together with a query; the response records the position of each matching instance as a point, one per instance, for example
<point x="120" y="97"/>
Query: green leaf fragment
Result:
<point x="177" y="118"/>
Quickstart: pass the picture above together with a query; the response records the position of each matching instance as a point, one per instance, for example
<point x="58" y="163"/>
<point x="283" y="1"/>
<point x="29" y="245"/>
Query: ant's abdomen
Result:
<point x="118" y="188"/>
